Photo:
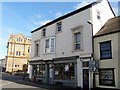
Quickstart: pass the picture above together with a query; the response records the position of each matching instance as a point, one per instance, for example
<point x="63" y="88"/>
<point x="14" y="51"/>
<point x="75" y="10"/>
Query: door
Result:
<point x="85" y="79"/>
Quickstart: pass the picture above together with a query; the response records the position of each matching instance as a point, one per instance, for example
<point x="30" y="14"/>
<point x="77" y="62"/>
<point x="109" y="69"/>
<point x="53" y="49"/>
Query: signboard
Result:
<point x="93" y="65"/>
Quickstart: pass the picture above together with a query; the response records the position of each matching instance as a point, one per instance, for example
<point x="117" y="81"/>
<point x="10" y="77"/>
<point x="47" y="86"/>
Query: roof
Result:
<point x="72" y="13"/>
<point x="65" y="16"/>
<point x="111" y="26"/>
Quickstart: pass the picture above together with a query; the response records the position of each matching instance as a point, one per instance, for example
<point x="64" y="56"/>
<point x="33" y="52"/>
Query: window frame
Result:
<point x="101" y="58"/>
<point x="49" y="47"/>
<point x="36" y="49"/>
<point x="18" y="53"/>
<point x="77" y="29"/>
<point x="75" y="41"/>
<point x="43" y="32"/>
<point x="59" y="25"/>
<point x="113" y="76"/>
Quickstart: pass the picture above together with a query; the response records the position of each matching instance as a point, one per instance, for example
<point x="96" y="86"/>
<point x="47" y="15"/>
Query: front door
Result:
<point x="86" y="79"/>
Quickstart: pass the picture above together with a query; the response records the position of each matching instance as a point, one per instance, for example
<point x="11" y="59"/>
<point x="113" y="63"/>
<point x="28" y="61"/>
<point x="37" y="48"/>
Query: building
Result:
<point x="106" y="52"/>
<point x="18" y="50"/>
<point x="3" y="64"/>
<point x="61" y="49"/>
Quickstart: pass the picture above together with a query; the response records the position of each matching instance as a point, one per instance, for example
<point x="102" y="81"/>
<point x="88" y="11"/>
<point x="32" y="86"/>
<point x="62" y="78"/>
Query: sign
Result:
<point x="93" y="65"/>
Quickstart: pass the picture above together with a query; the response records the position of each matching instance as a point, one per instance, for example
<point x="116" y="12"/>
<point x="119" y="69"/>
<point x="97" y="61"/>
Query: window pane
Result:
<point x="59" y="26"/>
<point x="44" y="32"/>
<point x="64" y="71"/>
<point x="106" y="77"/>
<point x="105" y="48"/>
<point x="77" y="46"/>
<point x="77" y="37"/>
<point x="52" y="45"/>
<point x="37" y="49"/>
<point x="47" y="43"/>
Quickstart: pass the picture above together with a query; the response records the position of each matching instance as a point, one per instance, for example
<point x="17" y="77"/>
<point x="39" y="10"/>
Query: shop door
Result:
<point x="85" y="79"/>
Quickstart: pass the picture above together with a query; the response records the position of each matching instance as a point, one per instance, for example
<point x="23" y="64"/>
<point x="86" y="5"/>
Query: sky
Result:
<point x="24" y="17"/>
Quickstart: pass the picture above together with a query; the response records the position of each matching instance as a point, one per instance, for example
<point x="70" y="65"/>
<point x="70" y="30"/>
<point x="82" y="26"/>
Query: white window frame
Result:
<point x="36" y="53"/>
<point x="78" y="29"/>
<point x="58" y="26"/>
<point x="49" y="48"/>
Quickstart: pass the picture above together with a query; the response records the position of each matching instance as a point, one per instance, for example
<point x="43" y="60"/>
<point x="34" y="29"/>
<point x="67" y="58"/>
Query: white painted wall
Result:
<point x="64" y="39"/>
<point x="65" y="43"/>
<point x="105" y="13"/>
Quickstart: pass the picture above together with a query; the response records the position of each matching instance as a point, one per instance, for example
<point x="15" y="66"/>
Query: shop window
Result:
<point x="39" y="70"/>
<point x="64" y="71"/>
<point x="106" y="77"/>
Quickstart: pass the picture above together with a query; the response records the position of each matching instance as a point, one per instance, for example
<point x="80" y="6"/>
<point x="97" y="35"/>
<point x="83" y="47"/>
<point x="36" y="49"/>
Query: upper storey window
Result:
<point x="98" y="15"/>
<point x="105" y="50"/>
<point x="44" y="32"/>
<point x="50" y="45"/>
<point x="59" y="27"/>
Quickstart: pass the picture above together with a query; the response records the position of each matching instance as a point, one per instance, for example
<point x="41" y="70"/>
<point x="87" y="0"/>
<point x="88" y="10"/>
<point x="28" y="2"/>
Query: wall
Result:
<point x="108" y="63"/>
<point x="65" y="43"/>
<point x="105" y="14"/>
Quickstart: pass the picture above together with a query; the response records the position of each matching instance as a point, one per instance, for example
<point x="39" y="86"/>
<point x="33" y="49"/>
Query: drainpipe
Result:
<point x="90" y="22"/>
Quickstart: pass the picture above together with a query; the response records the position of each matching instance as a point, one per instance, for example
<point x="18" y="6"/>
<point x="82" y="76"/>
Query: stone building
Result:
<point x="18" y="51"/>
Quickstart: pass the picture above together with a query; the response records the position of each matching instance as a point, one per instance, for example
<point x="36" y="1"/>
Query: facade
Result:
<point x="18" y="51"/>
<point x="106" y="52"/>
<point x="3" y="64"/>
<point x="62" y="48"/>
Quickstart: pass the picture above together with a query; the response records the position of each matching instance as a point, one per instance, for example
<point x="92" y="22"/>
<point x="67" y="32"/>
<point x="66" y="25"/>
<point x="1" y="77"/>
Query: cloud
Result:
<point x="58" y="14"/>
<point x="81" y="4"/>
<point x="41" y="22"/>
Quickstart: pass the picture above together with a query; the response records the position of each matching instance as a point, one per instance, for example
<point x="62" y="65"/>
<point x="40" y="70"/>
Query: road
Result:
<point x="11" y="81"/>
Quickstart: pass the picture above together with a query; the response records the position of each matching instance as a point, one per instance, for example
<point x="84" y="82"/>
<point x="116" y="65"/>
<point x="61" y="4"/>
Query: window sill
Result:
<point x="49" y="53"/>
<point x="105" y="58"/>
<point x="37" y="56"/>
<point x="77" y="50"/>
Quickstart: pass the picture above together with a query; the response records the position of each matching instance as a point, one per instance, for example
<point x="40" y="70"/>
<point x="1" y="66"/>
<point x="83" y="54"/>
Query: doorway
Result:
<point x="85" y="79"/>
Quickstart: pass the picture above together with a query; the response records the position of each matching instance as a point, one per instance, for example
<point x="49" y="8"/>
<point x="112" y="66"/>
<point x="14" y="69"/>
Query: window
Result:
<point x="64" y="71"/>
<point x="19" y="39"/>
<point x="44" y="32"/>
<point x="105" y="50"/>
<point x="98" y="15"/>
<point x="77" y="41"/>
<point x="17" y="53"/>
<point x="28" y="49"/>
<point x="50" y="45"/>
<point x="39" y="70"/>
<point x="59" y="27"/>
<point x="36" y="49"/>
<point x="106" y="77"/>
